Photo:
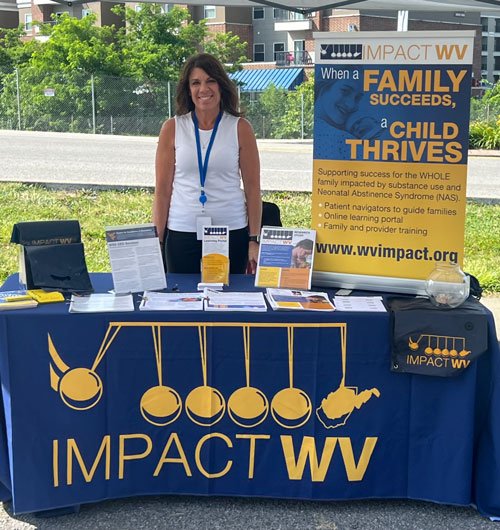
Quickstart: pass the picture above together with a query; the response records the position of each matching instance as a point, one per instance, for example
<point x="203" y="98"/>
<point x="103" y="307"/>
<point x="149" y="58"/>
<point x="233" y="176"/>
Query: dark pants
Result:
<point x="183" y="252"/>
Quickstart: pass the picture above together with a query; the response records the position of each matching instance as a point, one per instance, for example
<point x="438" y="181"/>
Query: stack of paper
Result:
<point x="372" y="304"/>
<point x="152" y="301"/>
<point x="16" y="300"/>
<point x="101" y="303"/>
<point x="219" y="301"/>
<point x="295" y="299"/>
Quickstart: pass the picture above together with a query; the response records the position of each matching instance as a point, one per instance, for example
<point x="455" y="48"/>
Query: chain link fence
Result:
<point x="84" y="103"/>
<point x="79" y="102"/>
<point x="97" y="104"/>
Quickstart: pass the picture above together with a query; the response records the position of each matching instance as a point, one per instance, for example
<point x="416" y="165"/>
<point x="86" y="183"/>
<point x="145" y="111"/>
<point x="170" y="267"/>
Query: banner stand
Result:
<point x="391" y="127"/>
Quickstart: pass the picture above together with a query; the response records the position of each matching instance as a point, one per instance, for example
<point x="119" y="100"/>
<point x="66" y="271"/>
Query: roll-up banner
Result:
<point x="391" y="127"/>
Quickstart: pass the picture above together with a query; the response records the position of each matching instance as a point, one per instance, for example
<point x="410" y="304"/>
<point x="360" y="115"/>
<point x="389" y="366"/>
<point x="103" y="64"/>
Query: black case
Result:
<point x="52" y="255"/>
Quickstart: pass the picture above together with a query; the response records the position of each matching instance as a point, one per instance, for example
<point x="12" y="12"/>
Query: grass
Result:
<point x="97" y="209"/>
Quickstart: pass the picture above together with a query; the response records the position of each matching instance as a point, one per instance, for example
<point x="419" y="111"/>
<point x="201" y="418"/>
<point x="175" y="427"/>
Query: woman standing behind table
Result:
<point x="207" y="106"/>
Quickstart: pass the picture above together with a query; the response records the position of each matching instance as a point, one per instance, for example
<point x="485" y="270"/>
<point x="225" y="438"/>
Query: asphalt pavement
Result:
<point x="231" y="513"/>
<point x="214" y="513"/>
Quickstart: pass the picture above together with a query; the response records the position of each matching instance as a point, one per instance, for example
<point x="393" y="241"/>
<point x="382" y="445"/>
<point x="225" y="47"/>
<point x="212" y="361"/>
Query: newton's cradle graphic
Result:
<point x="81" y="388"/>
<point x="440" y="345"/>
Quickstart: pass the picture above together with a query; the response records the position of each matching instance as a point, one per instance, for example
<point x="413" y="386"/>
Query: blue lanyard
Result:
<point x="203" y="166"/>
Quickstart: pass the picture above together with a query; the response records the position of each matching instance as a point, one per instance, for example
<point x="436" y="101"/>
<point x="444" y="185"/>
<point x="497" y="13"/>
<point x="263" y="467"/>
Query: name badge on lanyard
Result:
<point x="203" y="220"/>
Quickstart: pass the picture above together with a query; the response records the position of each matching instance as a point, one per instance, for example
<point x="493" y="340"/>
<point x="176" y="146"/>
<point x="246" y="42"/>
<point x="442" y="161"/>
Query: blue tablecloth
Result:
<point x="278" y="404"/>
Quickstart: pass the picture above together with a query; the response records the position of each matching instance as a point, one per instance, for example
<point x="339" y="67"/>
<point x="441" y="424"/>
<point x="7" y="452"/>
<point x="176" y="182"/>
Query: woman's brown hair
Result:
<point x="213" y="68"/>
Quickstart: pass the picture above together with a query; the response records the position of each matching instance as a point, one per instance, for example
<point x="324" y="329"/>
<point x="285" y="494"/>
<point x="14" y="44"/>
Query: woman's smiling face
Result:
<point x="340" y="100"/>
<point x="204" y="90"/>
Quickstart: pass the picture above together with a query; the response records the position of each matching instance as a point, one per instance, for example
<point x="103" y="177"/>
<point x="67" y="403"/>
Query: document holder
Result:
<point x="51" y="255"/>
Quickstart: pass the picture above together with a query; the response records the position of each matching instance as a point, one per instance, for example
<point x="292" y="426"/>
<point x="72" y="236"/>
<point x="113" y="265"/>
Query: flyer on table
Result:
<point x="286" y="257"/>
<point x="391" y="130"/>
<point x="215" y="255"/>
<point x="135" y="258"/>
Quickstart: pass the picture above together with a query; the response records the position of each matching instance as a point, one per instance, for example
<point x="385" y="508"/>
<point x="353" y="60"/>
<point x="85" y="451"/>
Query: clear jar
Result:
<point x="447" y="285"/>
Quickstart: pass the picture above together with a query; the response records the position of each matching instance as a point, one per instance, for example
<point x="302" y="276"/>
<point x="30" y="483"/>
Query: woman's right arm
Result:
<point x="165" y="167"/>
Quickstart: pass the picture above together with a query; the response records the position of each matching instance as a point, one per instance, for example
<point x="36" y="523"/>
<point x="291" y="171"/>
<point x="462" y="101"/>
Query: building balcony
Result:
<point x="300" y="58"/>
<point x="290" y="21"/>
<point x="293" y="25"/>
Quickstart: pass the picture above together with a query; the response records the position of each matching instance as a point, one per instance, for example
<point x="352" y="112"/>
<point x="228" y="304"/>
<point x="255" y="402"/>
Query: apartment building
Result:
<point x="490" y="48"/>
<point x="9" y="14"/>
<point x="42" y="10"/>
<point x="278" y="38"/>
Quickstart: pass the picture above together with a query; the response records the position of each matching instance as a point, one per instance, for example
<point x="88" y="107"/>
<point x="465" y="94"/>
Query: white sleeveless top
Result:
<point x="225" y="198"/>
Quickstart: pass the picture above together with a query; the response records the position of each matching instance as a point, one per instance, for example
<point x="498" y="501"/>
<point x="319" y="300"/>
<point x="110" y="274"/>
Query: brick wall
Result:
<point x="340" y="23"/>
<point x="243" y="31"/>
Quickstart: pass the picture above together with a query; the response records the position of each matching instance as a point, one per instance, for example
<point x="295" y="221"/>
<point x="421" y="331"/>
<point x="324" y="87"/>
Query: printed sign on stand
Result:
<point x="390" y="151"/>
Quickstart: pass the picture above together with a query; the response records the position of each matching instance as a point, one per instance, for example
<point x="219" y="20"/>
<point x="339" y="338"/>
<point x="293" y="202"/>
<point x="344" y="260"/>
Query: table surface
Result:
<point x="401" y="435"/>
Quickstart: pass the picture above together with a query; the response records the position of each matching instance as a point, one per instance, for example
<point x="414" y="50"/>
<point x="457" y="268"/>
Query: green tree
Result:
<point x="78" y="45"/>
<point x="299" y="105"/>
<point x="155" y="44"/>
<point x="13" y="51"/>
<point x="228" y="49"/>
<point x="272" y="104"/>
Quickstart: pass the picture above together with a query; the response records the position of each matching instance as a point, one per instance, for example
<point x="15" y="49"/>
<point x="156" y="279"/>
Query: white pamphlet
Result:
<point x="227" y="301"/>
<point x="152" y="301"/>
<point x="135" y="257"/>
<point x="101" y="303"/>
<point x="372" y="304"/>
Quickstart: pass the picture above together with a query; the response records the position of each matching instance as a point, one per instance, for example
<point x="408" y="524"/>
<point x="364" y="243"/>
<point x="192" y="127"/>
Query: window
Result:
<point x="497" y="25"/>
<point x="497" y="63"/>
<point x="258" y="53"/>
<point x="258" y="13"/>
<point x="86" y="12"/>
<point x="28" y="19"/>
<point x="137" y="7"/>
<point x="484" y="44"/>
<point x="209" y="12"/>
<point x="299" y="45"/>
<point x="280" y="14"/>
<point x="168" y="7"/>
<point x="278" y="49"/>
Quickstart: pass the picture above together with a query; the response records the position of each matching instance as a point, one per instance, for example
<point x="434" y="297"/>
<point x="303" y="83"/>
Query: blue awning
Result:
<point x="259" y="80"/>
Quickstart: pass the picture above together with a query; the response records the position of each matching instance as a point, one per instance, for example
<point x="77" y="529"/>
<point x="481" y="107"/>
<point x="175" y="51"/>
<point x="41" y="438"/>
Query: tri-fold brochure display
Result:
<point x="135" y="257"/>
<point x="286" y="258"/>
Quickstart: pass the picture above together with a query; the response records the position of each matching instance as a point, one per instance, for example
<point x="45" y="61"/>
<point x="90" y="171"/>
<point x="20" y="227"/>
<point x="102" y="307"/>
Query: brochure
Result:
<point x="101" y="303"/>
<point x="372" y="304"/>
<point x="16" y="300"/>
<point x="303" y="300"/>
<point x="286" y="258"/>
<point x="152" y="301"/>
<point x="215" y="255"/>
<point x="217" y="301"/>
<point x="135" y="257"/>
